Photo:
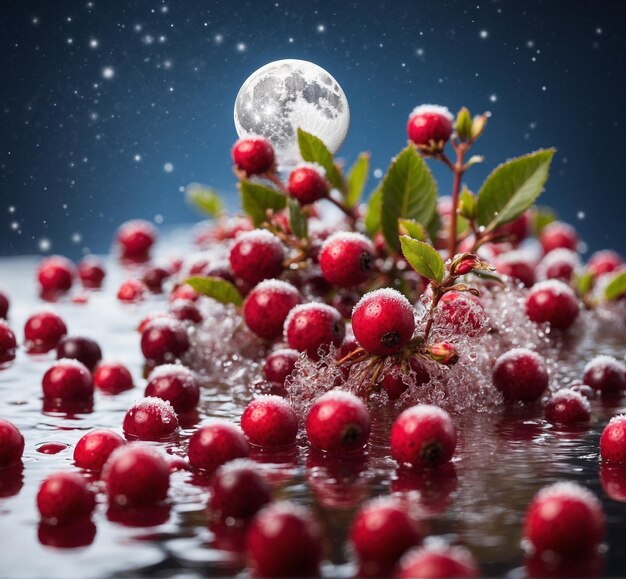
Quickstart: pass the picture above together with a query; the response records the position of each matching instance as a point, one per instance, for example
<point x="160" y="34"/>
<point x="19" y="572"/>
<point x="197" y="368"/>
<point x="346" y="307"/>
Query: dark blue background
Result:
<point x="81" y="153"/>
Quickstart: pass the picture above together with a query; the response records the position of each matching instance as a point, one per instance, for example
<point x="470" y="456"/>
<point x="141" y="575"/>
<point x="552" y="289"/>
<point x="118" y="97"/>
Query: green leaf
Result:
<point x="357" y="177"/>
<point x="409" y="191"/>
<point x="543" y="217"/>
<point x="584" y="283"/>
<point x="467" y="204"/>
<point x="372" y="216"/>
<point x="204" y="199"/>
<point x="217" y="288"/>
<point x="413" y="229"/>
<point x="616" y="288"/>
<point x="423" y="258"/>
<point x="313" y="150"/>
<point x="512" y="188"/>
<point x="297" y="220"/>
<point x="256" y="199"/>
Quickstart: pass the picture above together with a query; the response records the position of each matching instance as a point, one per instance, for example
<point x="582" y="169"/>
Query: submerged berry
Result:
<point x="176" y="384"/>
<point x="554" y="302"/>
<point x="269" y="421"/>
<point x="11" y="443"/>
<point x="280" y="364"/>
<point x="216" y="443"/>
<point x="67" y="380"/>
<point x="613" y="441"/>
<point x="112" y="377"/>
<point x="8" y="344"/>
<point x="568" y="407"/>
<point x="520" y="374"/>
<point x="43" y="331"/>
<point x="605" y="374"/>
<point x="94" y="448"/>
<point x="150" y="419"/>
<point x="63" y="497"/>
<point x="438" y="560"/>
<point x="79" y="348"/>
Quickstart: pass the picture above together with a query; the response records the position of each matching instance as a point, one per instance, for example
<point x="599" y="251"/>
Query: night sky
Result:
<point x="109" y="109"/>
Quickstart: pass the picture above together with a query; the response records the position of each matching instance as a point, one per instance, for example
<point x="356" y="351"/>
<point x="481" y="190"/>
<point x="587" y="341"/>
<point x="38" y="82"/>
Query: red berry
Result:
<point x="338" y="421"/>
<point x="437" y="561"/>
<point x="55" y="274"/>
<point x="11" y="443"/>
<point x="566" y="519"/>
<point x="347" y="259"/>
<point x="269" y="421"/>
<point x="253" y="155"/>
<point x="613" y="441"/>
<point x="267" y="305"/>
<point x="43" y="332"/>
<point x="184" y="292"/>
<point x="132" y="291"/>
<point x="520" y="374"/>
<point x="381" y="533"/>
<point x="280" y="364"/>
<point x="94" y="448"/>
<point x="517" y="265"/>
<point x="112" y="377"/>
<point x="150" y="419"/>
<point x="257" y="255"/>
<point x="423" y="436"/>
<point x="185" y="311"/>
<point x="429" y="123"/>
<point x="312" y="327"/>
<point x="153" y="278"/>
<point x="176" y="384"/>
<point x="91" y="272"/>
<point x="216" y="443"/>
<point x="136" y="476"/>
<point x="517" y="230"/>
<point x="135" y="239"/>
<point x="8" y="344"/>
<point x="602" y="262"/>
<point x="63" y="497"/>
<point x="239" y="490"/>
<point x="463" y="312"/>
<point x="4" y="306"/>
<point x="383" y="322"/>
<point x="559" y="264"/>
<point x="554" y="302"/>
<point x="568" y="407"/>
<point x="84" y="350"/>
<point x="606" y="374"/>
<point x="558" y="235"/>
<point x="284" y="540"/>
<point x="393" y="383"/>
<point x="67" y="380"/>
<point x="307" y="184"/>
<point x="164" y="340"/>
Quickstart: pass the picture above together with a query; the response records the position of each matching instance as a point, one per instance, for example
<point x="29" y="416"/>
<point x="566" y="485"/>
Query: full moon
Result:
<point x="285" y="95"/>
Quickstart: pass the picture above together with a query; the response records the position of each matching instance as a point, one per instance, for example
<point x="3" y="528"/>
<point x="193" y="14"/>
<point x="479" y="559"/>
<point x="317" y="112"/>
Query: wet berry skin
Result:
<point x="554" y="302"/>
<point x="558" y="235"/>
<point x="43" y="332"/>
<point x="284" y="540"/>
<point x="185" y="311"/>
<point x="164" y="340"/>
<point x="67" y="380"/>
<point x="150" y="419"/>
<point x="112" y="377"/>
<point x="613" y="441"/>
<point x="437" y="561"/>
<point x="239" y="490"/>
<point x="568" y="407"/>
<point x="429" y="123"/>
<point x="216" y="443"/>
<point x="605" y="374"/>
<point x="79" y="348"/>
<point x="347" y="259"/>
<point x="55" y="274"/>
<point x="267" y="305"/>
<point x="566" y="519"/>
<point x="253" y="155"/>
<point x="257" y="255"/>
<point x="521" y="375"/>
<point x="136" y="476"/>
<point x="176" y="384"/>
<point x="63" y="497"/>
<point x="94" y="448"/>
<point x="4" y="306"/>
<point x="313" y="326"/>
<point x="135" y="239"/>
<point x="338" y="422"/>
<point x="269" y="421"/>
<point x="307" y="185"/>
<point x="423" y="436"/>
<point x="280" y="364"/>
<point x="8" y="344"/>
<point x="11" y="443"/>
<point x="91" y="272"/>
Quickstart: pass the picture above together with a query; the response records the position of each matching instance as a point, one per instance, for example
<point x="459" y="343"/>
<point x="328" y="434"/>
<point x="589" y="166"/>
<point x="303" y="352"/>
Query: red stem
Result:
<point x="458" y="170"/>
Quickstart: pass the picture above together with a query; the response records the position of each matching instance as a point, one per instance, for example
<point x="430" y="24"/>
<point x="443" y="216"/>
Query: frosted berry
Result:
<point x="307" y="185"/>
<point x="280" y="364"/>
<point x="463" y="312"/>
<point x="136" y="476"/>
<point x="267" y="305"/>
<point x="43" y="331"/>
<point x="8" y="344"/>
<point x="601" y="262"/>
<point x="184" y="292"/>
<point x="91" y="272"/>
<point x="257" y="255"/>
<point x="176" y="384"/>
<point x="269" y="421"/>
<point x="253" y="155"/>
<point x="284" y="540"/>
<point x="568" y="407"/>
<point x="516" y="230"/>
<point x="185" y="311"/>
<point x="55" y="274"/>
<point x="4" y="306"/>
<point x="150" y="419"/>
<point x="11" y="443"/>
<point x="338" y="422"/>
<point x="436" y="561"/>
<point x="566" y="519"/>
<point x="68" y="380"/>
<point x="554" y="302"/>
<point x="423" y="436"/>
<point x="381" y="533"/>
<point x="63" y="497"/>
<point x="112" y="377"/>
<point x="132" y="291"/>
<point x="135" y="239"/>
<point x="239" y="490"/>
<point x="347" y="259"/>
<point x="517" y="265"/>
<point x="84" y="350"/>
<point x="216" y="443"/>
<point x="154" y="276"/>
<point x="520" y="374"/>
<point x="559" y="264"/>
<point x="606" y="374"/>
<point x="558" y="235"/>
<point x="313" y="327"/>
<point x="383" y="322"/>
<point x="429" y="123"/>
<point x="164" y="340"/>
<point x="94" y="448"/>
<point x="613" y="441"/>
